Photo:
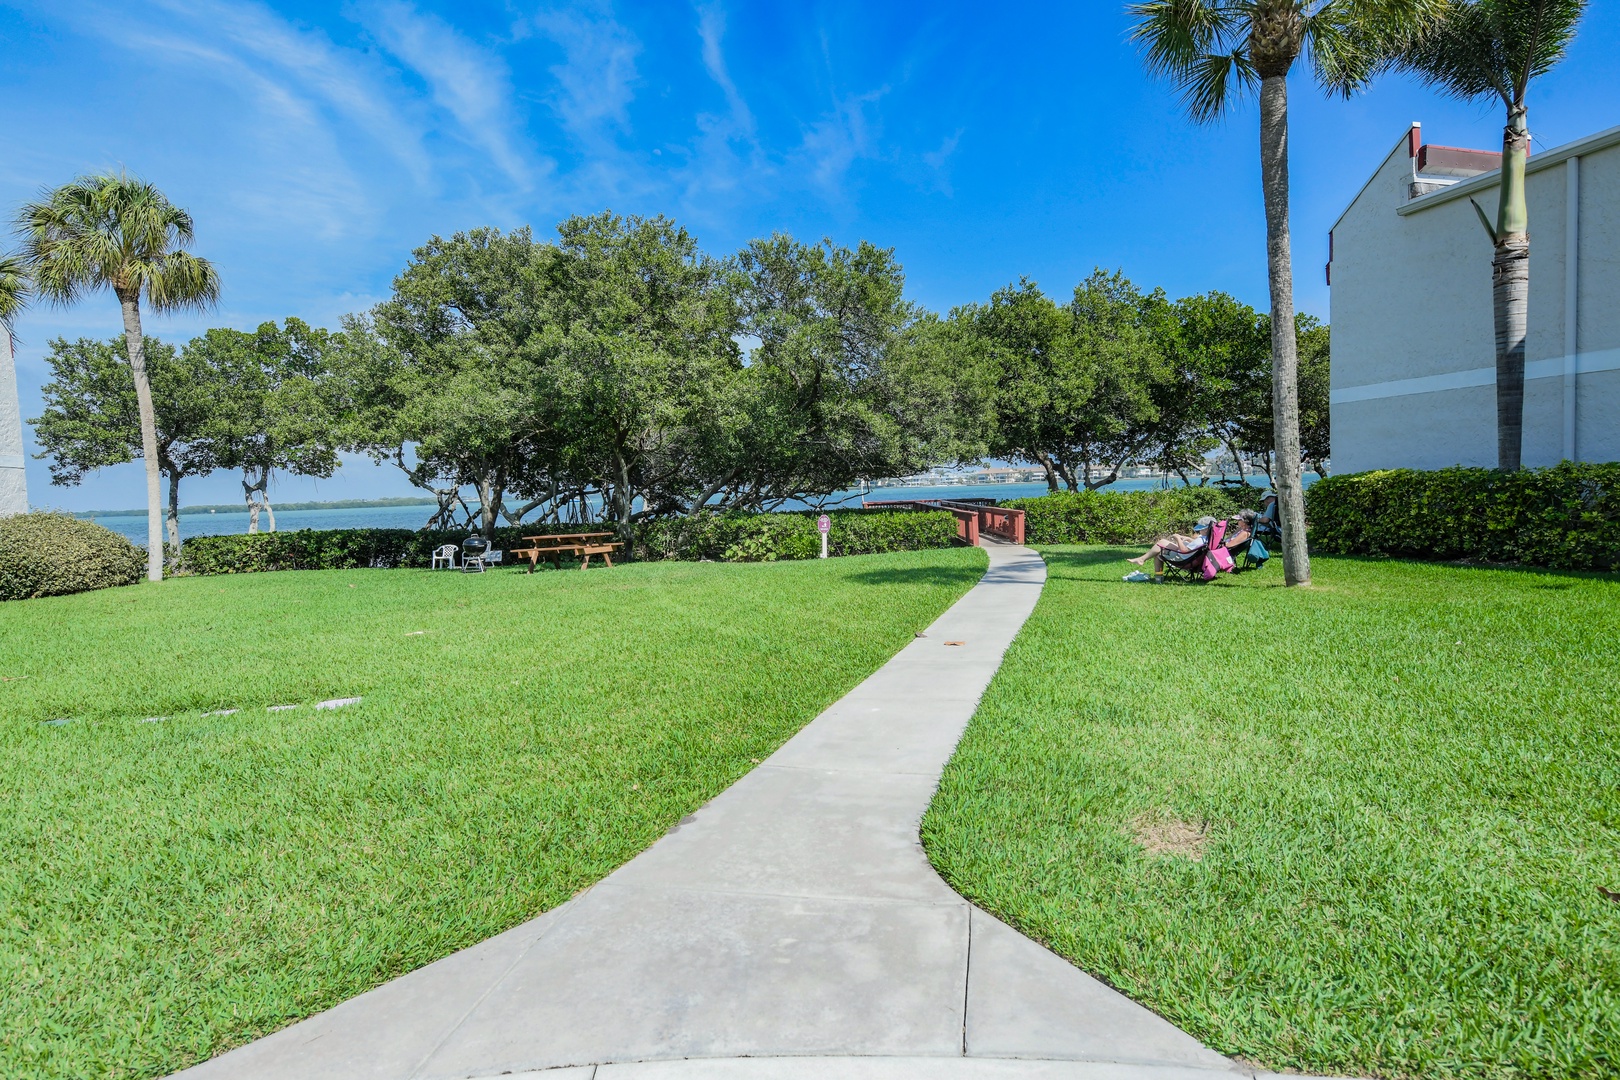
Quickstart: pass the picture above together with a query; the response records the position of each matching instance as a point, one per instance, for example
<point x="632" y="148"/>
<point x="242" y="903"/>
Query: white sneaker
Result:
<point x="1136" y="575"/>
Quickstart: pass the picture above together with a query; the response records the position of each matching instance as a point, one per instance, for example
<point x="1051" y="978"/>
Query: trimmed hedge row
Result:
<point x="46" y="554"/>
<point x="1566" y="517"/>
<point x="719" y="537"/>
<point x="1126" y="517"/>
<point x="768" y="537"/>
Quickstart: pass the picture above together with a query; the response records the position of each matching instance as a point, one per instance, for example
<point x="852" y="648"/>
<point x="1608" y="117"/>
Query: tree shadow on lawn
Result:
<point x="919" y="575"/>
<point x="1271" y="574"/>
<point x="1611" y="577"/>
<point x="1078" y="566"/>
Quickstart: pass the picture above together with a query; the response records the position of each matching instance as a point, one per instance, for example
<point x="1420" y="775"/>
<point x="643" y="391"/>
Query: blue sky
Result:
<point x="316" y="144"/>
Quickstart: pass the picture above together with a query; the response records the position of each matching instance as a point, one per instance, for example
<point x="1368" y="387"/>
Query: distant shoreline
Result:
<point x="241" y="508"/>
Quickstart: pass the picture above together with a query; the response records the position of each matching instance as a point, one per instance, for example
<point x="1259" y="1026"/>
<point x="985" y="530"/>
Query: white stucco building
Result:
<point x="1414" y="354"/>
<point x="13" y="484"/>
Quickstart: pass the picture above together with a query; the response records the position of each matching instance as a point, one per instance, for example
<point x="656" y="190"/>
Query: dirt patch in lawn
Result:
<point x="1161" y="835"/>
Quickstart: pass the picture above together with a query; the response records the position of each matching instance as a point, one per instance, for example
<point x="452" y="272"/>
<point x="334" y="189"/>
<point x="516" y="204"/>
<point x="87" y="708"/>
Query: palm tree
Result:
<point x="1486" y="49"/>
<point x="120" y="233"/>
<point x="1218" y="52"/>
<point x="13" y="289"/>
<point x="13" y="295"/>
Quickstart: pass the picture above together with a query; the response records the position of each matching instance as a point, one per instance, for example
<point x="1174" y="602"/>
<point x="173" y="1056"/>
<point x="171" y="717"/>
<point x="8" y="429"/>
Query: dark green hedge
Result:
<point x="1566" y="517"/>
<point x="768" y="537"/>
<point x="1126" y="517"/>
<point x="47" y="554"/>
<point x="720" y="537"/>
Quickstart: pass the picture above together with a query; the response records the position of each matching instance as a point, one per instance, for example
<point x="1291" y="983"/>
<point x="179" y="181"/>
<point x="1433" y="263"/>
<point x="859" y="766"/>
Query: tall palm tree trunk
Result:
<point x="130" y="302"/>
<point x="1510" y="292"/>
<point x="1284" y="348"/>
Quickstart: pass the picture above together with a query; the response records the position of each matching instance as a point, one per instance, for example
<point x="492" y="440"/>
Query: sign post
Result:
<point x="824" y="526"/>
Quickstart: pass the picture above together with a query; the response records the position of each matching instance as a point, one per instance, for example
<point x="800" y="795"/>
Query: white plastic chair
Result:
<point x="444" y="556"/>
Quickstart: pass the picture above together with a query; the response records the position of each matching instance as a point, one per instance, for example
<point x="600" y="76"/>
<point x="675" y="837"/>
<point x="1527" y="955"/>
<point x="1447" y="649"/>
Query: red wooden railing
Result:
<point x="972" y="518"/>
<point x="1000" y="521"/>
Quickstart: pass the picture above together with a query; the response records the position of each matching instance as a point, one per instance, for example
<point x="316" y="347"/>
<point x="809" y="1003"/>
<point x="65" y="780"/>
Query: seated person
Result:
<point x="1175" y="542"/>
<point x="1241" y="528"/>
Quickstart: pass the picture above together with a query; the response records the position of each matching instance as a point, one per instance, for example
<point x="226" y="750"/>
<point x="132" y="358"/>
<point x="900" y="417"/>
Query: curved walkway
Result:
<point x="791" y="928"/>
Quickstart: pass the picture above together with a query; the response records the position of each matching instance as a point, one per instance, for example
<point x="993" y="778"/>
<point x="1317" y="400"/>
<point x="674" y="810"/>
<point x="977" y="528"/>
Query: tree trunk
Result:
<point x="1284" y="346"/>
<point x="1237" y="461"/>
<point x="1070" y="480"/>
<point x="257" y="494"/>
<point x="130" y="302"/>
<point x="1510" y="292"/>
<point x="624" y="498"/>
<point x="490" y="499"/>
<point x="174" y="512"/>
<point x="252" y="503"/>
<point x="1045" y="462"/>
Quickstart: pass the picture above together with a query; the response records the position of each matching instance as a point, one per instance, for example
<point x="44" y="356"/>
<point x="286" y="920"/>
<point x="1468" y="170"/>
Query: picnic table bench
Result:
<point x="553" y="546"/>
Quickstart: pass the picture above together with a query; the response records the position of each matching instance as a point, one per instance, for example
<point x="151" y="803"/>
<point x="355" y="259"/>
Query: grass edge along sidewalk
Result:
<point x="170" y="889"/>
<point x="1356" y="830"/>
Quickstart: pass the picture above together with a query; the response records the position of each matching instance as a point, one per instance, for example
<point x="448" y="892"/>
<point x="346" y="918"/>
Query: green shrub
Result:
<point x="1566" y="517"/>
<point x="337" y="549"/>
<point x="52" y="554"/>
<point x="769" y="537"/>
<point x="1126" y="517"/>
<point x="721" y="537"/>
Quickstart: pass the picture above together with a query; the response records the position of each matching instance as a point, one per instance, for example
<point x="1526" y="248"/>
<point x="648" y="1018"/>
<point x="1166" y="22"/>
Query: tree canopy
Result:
<point x="619" y="371"/>
<point x="123" y="234"/>
<point x="92" y="420"/>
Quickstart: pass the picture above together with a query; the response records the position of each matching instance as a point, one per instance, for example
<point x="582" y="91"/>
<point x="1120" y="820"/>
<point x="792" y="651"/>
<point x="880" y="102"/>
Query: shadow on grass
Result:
<point x="1075" y="567"/>
<point x="1610" y="576"/>
<point x="919" y="575"/>
<point x="1089" y="556"/>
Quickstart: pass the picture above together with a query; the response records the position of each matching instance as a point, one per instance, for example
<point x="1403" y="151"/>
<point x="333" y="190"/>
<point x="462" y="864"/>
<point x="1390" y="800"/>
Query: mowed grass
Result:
<point x="1404" y="785"/>
<point x="170" y="889"/>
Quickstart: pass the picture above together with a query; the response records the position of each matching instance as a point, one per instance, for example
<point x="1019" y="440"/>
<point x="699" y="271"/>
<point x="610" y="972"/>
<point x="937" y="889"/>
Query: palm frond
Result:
<point x="116" y="232"/>
<point x="1536" y="34"/>
<point x="14" y="290"/>
<point x="182" y="281"/>
<point x="1492" y="48"/>
<point x="1216" y="84"/>
<point x="1351" y="41"/>
<point x="1199" y="46"/>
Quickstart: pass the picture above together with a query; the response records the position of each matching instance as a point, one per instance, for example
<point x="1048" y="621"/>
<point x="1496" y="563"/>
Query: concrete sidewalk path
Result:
<point x="790" y="928"/>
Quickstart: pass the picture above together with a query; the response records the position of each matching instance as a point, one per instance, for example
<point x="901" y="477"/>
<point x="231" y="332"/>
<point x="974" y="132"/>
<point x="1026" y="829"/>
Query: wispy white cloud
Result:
<point x="353" y="85"/>
<point x="712" y="29"/>
<point x="597" y="78"/>
<point x="314" y="185"/>
<point x="472" y="84"/>
<point x="938" y="158"/>
<point x="833" y="143"/>
<point x="725" y="156"/>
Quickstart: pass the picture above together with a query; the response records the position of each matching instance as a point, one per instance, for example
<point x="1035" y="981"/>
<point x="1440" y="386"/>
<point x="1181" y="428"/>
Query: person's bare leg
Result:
<point x="1150" y="553"/>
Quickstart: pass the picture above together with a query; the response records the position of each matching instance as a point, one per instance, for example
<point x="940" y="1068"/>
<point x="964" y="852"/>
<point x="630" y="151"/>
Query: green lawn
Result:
<point x="171" y="889"/>
<point x="1404" y="786"/>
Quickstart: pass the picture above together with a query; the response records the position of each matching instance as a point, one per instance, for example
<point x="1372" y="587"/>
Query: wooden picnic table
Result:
<point x="553" y="546"/>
